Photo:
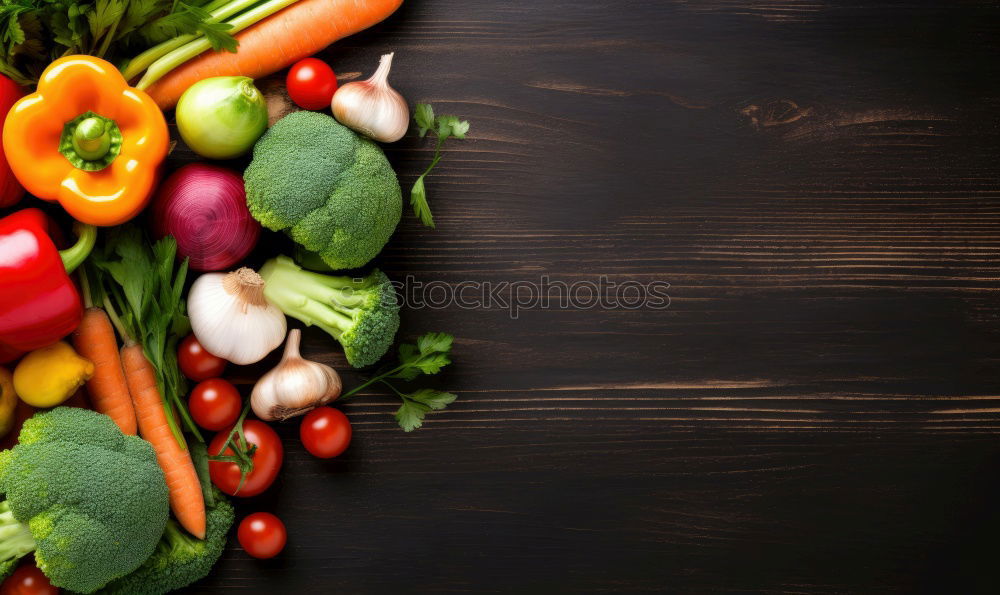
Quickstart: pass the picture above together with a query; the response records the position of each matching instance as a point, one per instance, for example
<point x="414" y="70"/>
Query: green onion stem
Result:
<point x="219" y="9"/>
<point x="179" y="56"/>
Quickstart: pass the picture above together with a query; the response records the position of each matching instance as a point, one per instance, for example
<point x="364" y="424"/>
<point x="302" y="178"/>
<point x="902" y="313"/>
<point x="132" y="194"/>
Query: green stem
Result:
<point x="168" y="407"/>
<point x="179" y="56"/>
<point x="16" y="540"/>
<point x="110" y="36"/>
<point x="214" y="5"/>
<point x="437" y="156"/>
<point x="395" y="390"/>
<point x="181" y="406"/>
<point x="91" y="139"/>
<point x="242" y="453"/>
<point x="379" y="378"/>
<point x="88" y="299"/>
<point x="140" y="63"/>
<point x="115" y="321"/>
<point x="219" y="9"/>
<point x="74" y="256"/>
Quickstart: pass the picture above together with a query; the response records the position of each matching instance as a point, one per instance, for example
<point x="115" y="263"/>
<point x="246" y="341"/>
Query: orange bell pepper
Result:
<point x="88" y="140"/>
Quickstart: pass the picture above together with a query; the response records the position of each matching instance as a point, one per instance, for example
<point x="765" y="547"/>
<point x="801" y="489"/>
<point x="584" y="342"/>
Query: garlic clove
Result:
<point x="295" y="386"/>
<point x="372" y="107"/>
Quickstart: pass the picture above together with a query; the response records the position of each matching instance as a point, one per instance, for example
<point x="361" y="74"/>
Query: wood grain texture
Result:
<point x="816" y="411"/>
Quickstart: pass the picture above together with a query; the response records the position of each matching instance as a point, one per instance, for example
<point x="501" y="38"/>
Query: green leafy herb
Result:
<point x="428" y="356"/>
<point x="443" y="127"/>
<point x="141" y="288"/>
<point x="191" y="19"/>
<point x="33" y="33"/>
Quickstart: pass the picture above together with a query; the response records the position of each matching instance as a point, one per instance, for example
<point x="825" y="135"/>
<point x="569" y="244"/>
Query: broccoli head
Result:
<point x="180" y="559"/>
<point x="330" y="189"/>
<point x="362" y="314"/>
<point x="90" y="501"/>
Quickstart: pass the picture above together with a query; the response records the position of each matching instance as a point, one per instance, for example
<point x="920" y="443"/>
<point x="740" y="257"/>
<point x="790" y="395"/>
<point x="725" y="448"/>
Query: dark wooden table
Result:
<point x="815" y="411"/>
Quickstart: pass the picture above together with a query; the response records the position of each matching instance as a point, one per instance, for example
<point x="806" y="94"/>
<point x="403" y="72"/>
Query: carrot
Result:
<point x="95" y="340"/>
<point x="186" y="499"/>
<point x="295" y="32"/>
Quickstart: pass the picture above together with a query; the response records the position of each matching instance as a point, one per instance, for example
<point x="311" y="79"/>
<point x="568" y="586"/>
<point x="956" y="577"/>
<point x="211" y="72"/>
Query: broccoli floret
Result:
<point x="362" y="314"/>
<point x="330" y="189"/>
<point x="90" y="501"/>
<point x="7" y="568"/>
<point x="179" y="559"/>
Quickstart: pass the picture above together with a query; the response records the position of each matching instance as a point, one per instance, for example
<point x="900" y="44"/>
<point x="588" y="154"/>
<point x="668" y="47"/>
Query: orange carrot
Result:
<point x="186" y="499"/>
<point x="296" y="32"/>
<point x="95" y="340"/>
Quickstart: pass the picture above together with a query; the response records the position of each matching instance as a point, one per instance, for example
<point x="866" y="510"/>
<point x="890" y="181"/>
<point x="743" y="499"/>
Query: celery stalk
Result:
<point x="179" y="56"/>
<point x="219" y="9"/>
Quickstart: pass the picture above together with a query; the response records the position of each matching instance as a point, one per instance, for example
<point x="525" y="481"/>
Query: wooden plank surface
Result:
<point x="817" y="408"/>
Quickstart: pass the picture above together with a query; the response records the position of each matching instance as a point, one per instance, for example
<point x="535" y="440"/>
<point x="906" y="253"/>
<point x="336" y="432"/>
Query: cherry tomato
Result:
<point x="311" y="84"/>
<point x="215" y="404"/>
<point x="262" y="535"/>
<point x="28" y="580"/>
<point x="196" y="363"/>
<point x="266" y="460"/>
<point x="325" y="432"/>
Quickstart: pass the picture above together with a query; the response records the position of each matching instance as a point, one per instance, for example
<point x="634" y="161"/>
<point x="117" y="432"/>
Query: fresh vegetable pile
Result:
<point x="120" y="317"/>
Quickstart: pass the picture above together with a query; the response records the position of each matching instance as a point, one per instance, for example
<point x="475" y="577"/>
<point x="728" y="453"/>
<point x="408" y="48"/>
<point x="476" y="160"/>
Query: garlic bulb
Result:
<point x="232" y="319"/>
<point x="295" y="386"/>
<point x="372" y="107"/>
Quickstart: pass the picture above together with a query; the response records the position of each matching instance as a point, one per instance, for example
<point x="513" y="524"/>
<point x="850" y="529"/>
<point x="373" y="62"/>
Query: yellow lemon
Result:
<point x="48" y="376"/>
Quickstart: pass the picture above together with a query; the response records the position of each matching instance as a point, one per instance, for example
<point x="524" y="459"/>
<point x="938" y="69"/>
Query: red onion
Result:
<point x="205" y="208"/>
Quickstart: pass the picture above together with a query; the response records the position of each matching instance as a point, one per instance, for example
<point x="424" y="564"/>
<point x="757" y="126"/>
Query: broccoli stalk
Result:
<point x="16" y="540"/>
<point x="362" y="314"/>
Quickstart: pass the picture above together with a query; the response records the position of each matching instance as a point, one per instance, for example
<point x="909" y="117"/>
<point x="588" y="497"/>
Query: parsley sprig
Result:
<point x="443" y="127"/>
<point x="33" y="33"/>
<point x="428" y="356"/>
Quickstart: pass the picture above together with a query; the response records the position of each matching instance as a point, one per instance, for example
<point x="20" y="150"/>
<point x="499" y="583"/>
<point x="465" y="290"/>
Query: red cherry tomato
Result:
<point x="262" y="535"/>
<point x="311" y="84"/>
<point x="215" y="404"/>
<point x="28" y="580"/>
<point x="325" y="432"/>
<point x="196" y="363"/>
<point x="266" y="460"/>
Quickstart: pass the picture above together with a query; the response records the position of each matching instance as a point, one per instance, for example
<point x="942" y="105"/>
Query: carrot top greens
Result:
<point x="33" y="33"/>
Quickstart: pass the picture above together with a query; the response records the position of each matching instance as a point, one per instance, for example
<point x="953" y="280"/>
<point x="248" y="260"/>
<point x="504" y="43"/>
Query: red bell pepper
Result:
<point x="39" y="303"/>
<point x="10" y="189"/>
